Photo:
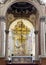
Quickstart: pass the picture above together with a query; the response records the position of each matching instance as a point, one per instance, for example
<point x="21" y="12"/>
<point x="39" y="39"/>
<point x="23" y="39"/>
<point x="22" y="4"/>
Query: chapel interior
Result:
<point x="23" y="32"/>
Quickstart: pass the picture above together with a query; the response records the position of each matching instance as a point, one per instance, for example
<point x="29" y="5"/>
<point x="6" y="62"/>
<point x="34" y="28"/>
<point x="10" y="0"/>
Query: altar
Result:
<point x="21" y="42"/>
<point x="22" y="64"/>
<point x="20" y="59"/>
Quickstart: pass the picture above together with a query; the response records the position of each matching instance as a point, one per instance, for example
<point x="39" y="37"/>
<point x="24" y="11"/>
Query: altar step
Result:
<point x="22" y="64"/>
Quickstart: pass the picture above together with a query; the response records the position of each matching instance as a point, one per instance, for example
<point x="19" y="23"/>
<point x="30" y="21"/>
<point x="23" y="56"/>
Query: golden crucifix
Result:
<point x="21" y="31"/>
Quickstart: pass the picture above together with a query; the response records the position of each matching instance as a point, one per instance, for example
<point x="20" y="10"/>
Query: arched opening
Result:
<point x="21" y="24"/>
<point x="21" y="39"/>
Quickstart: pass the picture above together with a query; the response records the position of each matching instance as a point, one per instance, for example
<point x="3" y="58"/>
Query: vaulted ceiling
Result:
<point x="21" y="8"/>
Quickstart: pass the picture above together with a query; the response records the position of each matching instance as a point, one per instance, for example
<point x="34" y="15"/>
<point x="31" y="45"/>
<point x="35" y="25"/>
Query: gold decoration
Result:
<point x="10" y="17"/>
<point x="21" y="31"/>
<point x="32" y="18"/>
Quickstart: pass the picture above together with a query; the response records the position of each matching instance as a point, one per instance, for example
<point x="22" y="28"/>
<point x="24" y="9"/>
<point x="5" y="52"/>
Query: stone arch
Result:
<point x="28" y="24"/>
<point x="35" y="3"/>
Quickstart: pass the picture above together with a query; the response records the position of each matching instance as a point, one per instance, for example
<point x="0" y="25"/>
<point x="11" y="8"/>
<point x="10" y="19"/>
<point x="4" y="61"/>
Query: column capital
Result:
<point x="42" y="19"/>
<point x="6" y="31"/>
<point x="36" y="32"/>
<point x="2" y="18"/>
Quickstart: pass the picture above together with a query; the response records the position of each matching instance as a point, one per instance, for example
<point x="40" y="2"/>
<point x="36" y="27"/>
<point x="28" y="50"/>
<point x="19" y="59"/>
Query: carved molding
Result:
<point x="10" y="17"/>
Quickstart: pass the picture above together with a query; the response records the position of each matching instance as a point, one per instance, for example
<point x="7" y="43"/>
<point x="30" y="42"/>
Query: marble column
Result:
<point x="36" y="46"/>
<point x="0" y="40"/>
<point x="42" y="35"/>
<point x="2" y="44"/>
<point x="7" y="32"/>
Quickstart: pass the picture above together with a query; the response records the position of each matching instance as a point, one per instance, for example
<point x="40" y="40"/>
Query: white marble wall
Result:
<point x="42" y="35"/>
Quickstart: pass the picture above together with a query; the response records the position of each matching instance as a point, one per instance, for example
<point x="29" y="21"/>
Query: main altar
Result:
<point x="20" y="42"/>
